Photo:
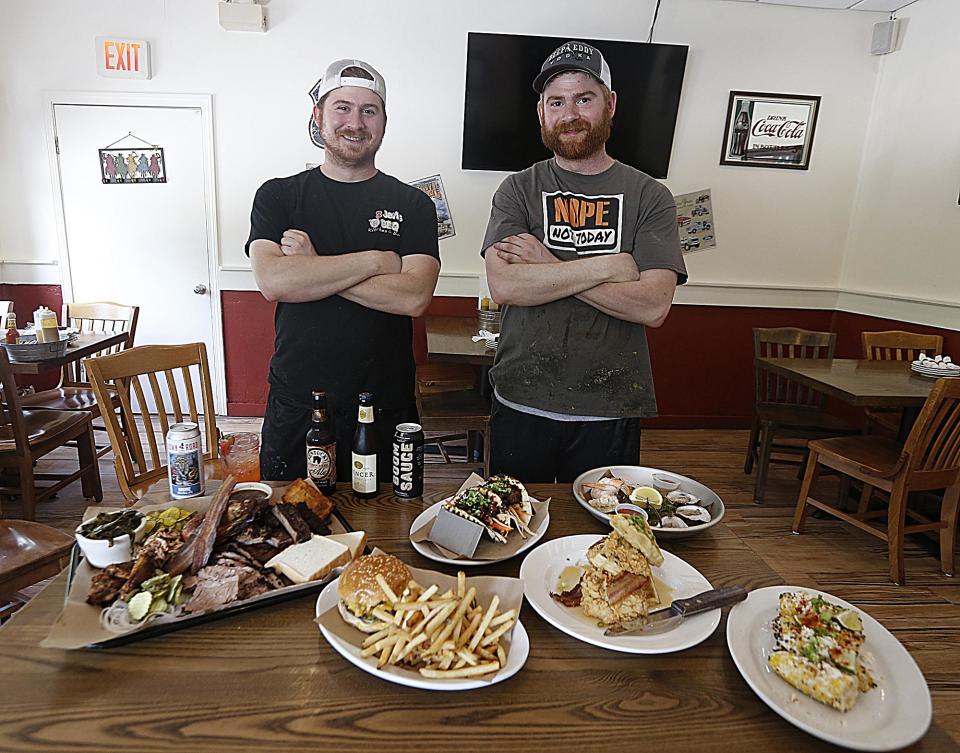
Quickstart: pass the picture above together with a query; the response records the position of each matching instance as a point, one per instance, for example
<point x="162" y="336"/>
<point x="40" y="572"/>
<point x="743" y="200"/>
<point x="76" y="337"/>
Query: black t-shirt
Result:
<point x="335" y="344"/>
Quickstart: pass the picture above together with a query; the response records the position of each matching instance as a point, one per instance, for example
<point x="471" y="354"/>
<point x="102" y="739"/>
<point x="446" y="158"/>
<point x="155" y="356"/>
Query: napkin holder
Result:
<point x="455" y="533"/>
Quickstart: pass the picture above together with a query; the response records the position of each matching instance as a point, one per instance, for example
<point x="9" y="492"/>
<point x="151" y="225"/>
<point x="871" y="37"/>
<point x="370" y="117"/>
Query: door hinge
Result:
<point x="56" y="143"/>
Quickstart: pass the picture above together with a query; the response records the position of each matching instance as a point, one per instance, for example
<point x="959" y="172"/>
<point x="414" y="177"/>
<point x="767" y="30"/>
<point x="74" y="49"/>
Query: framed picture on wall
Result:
<point x="769" y="130"/>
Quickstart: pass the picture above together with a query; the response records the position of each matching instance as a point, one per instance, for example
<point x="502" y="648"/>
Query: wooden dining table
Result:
<point x="266" y="680"/>
<point x="86" y="345"/>
<point x="859" y="382"/>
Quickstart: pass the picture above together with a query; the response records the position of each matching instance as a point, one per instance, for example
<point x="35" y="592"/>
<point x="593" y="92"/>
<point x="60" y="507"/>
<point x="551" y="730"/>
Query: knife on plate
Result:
<point x="679" y="611"/>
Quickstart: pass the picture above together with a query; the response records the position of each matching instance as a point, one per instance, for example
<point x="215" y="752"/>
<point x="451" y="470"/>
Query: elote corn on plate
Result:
<point x="829" y="668"/>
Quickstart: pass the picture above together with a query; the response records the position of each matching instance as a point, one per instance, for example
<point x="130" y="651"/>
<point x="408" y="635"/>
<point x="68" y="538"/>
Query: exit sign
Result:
<point x="123" y="58"/>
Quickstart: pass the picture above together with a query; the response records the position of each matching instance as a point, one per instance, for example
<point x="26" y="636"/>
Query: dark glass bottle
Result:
<point x="322" y="446"/>
<point x="364" y="456"/>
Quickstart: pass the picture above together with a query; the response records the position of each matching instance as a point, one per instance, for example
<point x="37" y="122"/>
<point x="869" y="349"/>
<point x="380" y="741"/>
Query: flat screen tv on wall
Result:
<point x="500" y="126"/>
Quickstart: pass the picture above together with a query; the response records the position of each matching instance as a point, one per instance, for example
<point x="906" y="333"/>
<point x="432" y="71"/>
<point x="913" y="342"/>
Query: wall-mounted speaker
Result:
<point x="885" y="36"/>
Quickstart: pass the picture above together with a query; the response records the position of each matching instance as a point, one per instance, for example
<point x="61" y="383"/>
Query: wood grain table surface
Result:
<point x="867" y="384"/>
<point x="448" y="340"/>
<point x="267" y="680"/>
<point x="84" y="346"/>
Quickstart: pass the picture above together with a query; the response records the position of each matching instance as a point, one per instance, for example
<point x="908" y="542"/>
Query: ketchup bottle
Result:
<point x="12" y="336"/>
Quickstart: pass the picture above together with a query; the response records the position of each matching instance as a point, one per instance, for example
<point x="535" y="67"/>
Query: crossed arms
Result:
<point x="291" y="272"/>
<point x="521" y="271"/>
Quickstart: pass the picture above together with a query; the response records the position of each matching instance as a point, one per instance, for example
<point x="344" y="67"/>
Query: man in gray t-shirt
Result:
<point x="583" y="252"/>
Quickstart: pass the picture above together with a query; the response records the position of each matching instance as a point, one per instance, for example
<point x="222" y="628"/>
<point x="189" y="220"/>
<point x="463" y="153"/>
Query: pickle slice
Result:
<point x="139" y="606"/>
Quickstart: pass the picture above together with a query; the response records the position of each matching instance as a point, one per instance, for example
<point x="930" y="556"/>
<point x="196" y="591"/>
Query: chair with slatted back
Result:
<point x="895" y="345"/>
<point x="786" y="415"/>
<point x="929" y="460"/>
<point x="27" y="435"/>
<point x="452" y="408"/>
<point x="171" y="375"/>
<point x="5" y="308"/>
<point x="74" y="391"/>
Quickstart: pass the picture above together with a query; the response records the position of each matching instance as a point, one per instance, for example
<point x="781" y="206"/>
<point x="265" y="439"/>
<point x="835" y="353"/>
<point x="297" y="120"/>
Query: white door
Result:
<point x="141" y="243"/>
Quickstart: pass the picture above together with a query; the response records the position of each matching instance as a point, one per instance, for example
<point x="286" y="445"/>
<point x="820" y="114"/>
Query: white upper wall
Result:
<point x="905" y="228"/>
<point x="776" y="228"/>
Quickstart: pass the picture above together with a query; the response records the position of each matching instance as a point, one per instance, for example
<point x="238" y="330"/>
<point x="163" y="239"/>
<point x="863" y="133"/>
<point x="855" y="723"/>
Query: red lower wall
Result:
<point x="248" y="345"/>
<point x="702" y="356"/>
<point x="27" y="299"/>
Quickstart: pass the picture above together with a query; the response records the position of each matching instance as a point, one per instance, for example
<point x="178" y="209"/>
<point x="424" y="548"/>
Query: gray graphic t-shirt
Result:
<point x="566" y="356"/>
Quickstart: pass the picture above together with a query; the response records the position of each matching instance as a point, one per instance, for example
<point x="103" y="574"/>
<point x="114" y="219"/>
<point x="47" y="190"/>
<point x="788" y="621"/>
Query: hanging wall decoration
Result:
<point x="695" y="221"/>
<point x="139" y="163"/>
<point x="433" y="187"/>
<point x="769" y="130"/>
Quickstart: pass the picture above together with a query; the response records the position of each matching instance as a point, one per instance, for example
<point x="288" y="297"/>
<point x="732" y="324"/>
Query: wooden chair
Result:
<point x="451" y="408"/>
<point x="787" y="415"/>
<point x="929" y="460"/>
<point x="26" y="435"/>
<point x="31" y="552"/>
<point x="131" y="376"/>
<point x="5" y="308"/>
<point x="74" y="391"/>
<point x="894" y="345"/>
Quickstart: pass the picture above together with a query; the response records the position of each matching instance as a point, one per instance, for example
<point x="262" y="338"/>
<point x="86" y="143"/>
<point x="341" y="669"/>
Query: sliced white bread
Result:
<point x="354" y="541"/>
<point x="318" y="557"/>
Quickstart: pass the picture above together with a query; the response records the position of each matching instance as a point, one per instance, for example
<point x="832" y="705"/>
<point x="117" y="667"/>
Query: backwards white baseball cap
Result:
<point x="333" y="78"/>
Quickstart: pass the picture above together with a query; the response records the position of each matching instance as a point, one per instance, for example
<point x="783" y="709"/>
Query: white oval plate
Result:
<point x="541" y="569"/>
<point x="638" y="475"/>
<point x="519" y="650"/>
<point x="891" y="716"/>
<point x="430" y="553"/>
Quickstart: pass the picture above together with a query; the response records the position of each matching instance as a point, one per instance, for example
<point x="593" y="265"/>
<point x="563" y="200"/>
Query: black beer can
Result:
<point x="408" y="461"/>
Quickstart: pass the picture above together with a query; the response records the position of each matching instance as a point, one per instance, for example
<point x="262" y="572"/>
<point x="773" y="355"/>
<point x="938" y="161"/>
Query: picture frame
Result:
<point x="132" y="165"/>
<point x="769" y="130"/>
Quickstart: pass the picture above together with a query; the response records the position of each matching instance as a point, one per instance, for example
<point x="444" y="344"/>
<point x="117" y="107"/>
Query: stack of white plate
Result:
<point x="935" y="368"/>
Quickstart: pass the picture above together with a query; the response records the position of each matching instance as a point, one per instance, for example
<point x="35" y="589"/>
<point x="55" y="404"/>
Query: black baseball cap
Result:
<point x="573" y="56"/>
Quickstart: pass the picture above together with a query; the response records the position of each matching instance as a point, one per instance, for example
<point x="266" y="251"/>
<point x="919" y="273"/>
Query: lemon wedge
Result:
<point x="850" y="620"/>
<point x="647" y="496"/>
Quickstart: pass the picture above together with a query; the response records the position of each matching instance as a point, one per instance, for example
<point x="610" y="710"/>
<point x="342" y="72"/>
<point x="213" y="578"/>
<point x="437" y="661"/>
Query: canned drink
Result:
<point x="185" y="461"/>
<point x="408" y="461"/>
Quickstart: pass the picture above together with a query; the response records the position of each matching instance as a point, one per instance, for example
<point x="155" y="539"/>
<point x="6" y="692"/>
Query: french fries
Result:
<point x="443" y="636"/>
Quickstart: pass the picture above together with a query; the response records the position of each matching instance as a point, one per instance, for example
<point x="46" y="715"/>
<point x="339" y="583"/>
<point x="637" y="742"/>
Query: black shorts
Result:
<point x="283" y="450"/>
<point x="542" y="450"/>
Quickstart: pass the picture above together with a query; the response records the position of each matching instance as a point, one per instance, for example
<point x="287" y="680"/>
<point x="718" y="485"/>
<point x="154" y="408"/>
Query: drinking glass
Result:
<point x="241" y="455"/>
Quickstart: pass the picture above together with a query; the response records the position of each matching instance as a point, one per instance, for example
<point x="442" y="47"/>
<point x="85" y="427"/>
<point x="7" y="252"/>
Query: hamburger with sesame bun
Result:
<point x="360" y="593"/>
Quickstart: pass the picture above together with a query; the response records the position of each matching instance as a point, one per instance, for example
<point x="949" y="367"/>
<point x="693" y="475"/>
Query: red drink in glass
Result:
<point x="241" y="455"/>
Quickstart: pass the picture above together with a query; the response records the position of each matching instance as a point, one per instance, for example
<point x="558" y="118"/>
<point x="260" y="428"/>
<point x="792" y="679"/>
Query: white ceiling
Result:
<point x="881" y="6"/>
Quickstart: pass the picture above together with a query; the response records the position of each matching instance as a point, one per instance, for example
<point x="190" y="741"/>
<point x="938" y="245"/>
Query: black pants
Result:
<point x="283" y="452"/>
<point x="541" y="450"/>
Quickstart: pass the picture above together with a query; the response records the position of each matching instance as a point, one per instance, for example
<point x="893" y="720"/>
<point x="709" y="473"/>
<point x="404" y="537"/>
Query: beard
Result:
<point x="586" y="144"/>
<point x="355" y="154"/>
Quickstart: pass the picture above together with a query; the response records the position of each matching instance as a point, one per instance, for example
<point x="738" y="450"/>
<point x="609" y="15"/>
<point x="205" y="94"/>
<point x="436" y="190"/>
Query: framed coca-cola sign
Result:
<point x="769" y="130"/>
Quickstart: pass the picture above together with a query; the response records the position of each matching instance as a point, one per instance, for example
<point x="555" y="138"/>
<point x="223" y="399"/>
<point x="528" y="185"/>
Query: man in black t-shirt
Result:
<point x="350" y="255"/>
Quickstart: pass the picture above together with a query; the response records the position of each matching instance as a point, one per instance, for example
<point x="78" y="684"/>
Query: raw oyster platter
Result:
<point x="675" y="506"/>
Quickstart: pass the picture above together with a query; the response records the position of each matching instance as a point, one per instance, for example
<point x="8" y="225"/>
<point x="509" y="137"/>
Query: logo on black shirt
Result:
<point x="385" y="221"/>
<point x="585" y="224"/>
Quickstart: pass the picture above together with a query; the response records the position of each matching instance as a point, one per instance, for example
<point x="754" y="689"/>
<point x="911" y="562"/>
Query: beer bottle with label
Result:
<point x="322" y="447"/>
<point x="364" y="456"/>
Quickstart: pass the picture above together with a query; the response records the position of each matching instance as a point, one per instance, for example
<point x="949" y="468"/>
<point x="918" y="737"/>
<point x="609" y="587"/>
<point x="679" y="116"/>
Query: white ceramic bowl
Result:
<point x="257" y="485"/>
<point x="626" y="508"/>
<point x="100" y="553"/>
